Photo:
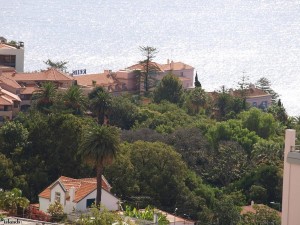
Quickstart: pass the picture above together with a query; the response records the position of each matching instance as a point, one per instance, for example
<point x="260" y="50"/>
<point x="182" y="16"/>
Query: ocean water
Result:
<point x="222" y="39"/>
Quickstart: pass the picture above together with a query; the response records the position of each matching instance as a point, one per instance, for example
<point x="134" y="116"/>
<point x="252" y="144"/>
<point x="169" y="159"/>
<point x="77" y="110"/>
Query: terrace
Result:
<point x="294" y="155"/>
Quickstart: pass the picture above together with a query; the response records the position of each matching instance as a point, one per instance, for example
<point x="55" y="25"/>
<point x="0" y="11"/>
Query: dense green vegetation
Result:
<point x="205" y="155"/>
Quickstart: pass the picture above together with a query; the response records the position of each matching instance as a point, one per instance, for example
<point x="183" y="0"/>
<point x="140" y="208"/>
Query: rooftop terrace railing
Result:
<point x="295" y="148"/>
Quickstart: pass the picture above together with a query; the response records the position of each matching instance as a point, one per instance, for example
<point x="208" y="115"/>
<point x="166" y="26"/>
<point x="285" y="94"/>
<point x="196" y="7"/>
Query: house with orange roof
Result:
<point x="184" y="72"/>
<point x="255" y="97"/>
<point x="9" y="105"/>
<point x="12" y="56"/>
<point x="77" y="194"/>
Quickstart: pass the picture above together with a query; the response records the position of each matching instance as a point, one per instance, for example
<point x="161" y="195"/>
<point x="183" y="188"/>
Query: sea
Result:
<point x="223" y="39"/>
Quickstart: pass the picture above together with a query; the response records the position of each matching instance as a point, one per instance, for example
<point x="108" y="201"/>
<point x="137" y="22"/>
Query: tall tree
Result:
<point x="100" y="101"/>
<point x="170" y="89"/>
<point x="60" y="65"/>
<point x="243" y="88"/>
<point x="99" y="147"/>
<point x="197" y="82"/>
<point x="264" y="84"/>
<point x="149" y="68"/>
<point x="223" y="102"/>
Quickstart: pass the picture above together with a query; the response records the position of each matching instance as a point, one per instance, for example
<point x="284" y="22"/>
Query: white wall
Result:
<point x="57" y="188"/>
<point x="69" y="207"/>
<point x="107" y="199"/>
<point x="291" y="184"/>
<point x="19" y="53"/>
<point x="44" y="204"/>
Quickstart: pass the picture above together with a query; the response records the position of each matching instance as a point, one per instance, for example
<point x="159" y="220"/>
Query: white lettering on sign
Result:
<point x="79" y="72"/>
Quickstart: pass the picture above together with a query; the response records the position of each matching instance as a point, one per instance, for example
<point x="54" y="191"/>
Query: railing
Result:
<point x="295" y="148"/>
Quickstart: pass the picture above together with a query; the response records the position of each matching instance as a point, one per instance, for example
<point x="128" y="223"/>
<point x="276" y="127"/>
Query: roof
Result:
<point x="250" y="209"/>
<point x="9" y="95"/>
<point x="2" y="212"/>
<point x="8" y="81"/>
<point x="140" y="67"/>
<point x="7" y="69"/>
<point x="255" y="92"/>
<point x="176" y="66"/>
<point x="46" y="75"/>
<point x="251" y="92"/>
<point x="5" y="101"/>
<point x="164" y="67"/>
<point x="5" y="46"/>
<point x="28" y="90"/>
<point x="174" y="218"/>
<point x="83" y="186"/>
<point x="7" y="98"/>
<point x="102" y="79"/>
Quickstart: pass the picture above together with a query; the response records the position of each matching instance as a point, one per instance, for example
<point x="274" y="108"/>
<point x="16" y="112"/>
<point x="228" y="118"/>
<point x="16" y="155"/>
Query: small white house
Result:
<point x="77" y="194"/>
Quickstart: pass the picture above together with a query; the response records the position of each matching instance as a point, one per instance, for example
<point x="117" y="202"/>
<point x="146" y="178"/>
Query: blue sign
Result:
<point x="79" y="72"/>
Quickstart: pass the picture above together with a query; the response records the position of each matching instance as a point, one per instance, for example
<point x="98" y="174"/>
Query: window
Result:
<point x="89" y="202"/>
<point x="8" y="60"/>
<point x="16" y="104"/>
<point x="25" y="97"/>
<point x="57" y="196"/>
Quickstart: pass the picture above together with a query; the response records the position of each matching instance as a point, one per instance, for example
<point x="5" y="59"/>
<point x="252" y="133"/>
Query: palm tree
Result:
<point x="99" y="148"/>
<point x="75" y="100"/>
<point x="44" y="97"/>
<point x="100" y="101"/>
<point x="11" y="200"/>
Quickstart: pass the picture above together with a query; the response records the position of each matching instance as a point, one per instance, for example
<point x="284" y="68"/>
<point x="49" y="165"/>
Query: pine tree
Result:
<point x="197" y="82"/>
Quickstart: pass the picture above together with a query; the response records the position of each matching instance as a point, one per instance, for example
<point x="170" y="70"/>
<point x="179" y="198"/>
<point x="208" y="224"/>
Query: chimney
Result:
<point x="72" y="194"/>
<point x="172" y="65"/>
<point x="107" y="71"/>
<point x="168" y="61"/>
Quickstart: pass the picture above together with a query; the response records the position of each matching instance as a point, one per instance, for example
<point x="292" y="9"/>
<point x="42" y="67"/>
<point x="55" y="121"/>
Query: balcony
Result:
<point x="294" y="155"/>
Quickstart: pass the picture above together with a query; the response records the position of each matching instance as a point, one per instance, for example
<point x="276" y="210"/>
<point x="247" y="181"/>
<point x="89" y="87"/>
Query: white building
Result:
<point x="12" y="56"/>
<point x="77" y="194"/>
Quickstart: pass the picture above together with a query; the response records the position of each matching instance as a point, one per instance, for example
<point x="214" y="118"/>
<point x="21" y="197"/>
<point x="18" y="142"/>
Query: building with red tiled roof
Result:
<point x="9" y="105"/>
<point x="77" y="194"/>
<point x="25" y="84"/>
<point x="183" y="71"/>
<point x="59" y="78"/>
<point x="254" y="97"/>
